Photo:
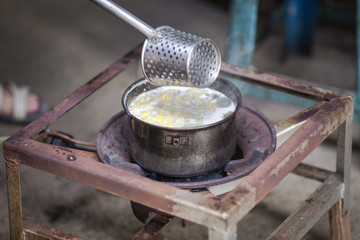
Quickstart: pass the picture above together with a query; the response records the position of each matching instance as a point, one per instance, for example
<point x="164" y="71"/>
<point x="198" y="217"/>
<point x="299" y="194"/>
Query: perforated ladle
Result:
<point x="169" y="56"/>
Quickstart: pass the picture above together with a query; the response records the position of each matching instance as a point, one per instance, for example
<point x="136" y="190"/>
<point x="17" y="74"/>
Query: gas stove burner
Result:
<point x="255" y="139"/>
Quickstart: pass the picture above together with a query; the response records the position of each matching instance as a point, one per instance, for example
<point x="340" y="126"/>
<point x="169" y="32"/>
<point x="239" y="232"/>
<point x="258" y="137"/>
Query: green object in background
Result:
<point x="240" y="49"/>
<point x="242" y="32"/>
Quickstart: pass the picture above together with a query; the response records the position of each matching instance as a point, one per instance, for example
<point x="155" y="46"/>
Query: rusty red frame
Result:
<point x="219" y="214"/>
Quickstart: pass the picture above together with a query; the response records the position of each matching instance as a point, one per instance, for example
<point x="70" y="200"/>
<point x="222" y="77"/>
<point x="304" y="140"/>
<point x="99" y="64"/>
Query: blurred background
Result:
<point x="56" y="46"/>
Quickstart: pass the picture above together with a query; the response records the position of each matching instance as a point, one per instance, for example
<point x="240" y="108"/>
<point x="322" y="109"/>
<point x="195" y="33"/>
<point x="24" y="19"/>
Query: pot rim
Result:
<point x="223" y="81"/>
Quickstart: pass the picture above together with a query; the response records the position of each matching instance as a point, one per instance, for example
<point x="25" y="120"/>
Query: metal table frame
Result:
<point x="219" y="214"/>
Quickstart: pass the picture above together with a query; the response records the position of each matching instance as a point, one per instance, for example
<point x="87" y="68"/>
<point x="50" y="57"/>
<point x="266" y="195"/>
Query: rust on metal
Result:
<point x="150" y="229"/>
<point x="277" y="83"/>
<point x="312" y="172"/>
<point x="109" y="179"/>
<point x="339" y="222"/>
<point x="298" y="118"/>
<point x="14" y="195"/>
<point x="37" y="231"/>
<point x="287" y="156"/>
<point x="300" y="222"/>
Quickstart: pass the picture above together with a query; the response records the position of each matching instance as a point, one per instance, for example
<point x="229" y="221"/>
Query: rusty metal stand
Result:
<point x="219" y="214"/>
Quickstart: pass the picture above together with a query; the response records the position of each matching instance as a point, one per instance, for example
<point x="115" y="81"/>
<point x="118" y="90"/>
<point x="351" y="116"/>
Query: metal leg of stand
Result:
<point x="229" y="234"/>
<point x="357" y="92"/>
<point x="14" y="198"/>
<point x="339" y="213"/>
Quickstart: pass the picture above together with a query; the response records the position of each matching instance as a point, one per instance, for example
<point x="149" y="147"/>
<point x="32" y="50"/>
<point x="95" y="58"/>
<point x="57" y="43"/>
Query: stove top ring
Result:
<point x="255" y="137"/>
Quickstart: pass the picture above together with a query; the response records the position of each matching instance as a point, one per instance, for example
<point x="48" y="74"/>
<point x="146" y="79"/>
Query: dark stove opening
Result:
<point x="205" y="177"/>
<point x="238" y="154"/>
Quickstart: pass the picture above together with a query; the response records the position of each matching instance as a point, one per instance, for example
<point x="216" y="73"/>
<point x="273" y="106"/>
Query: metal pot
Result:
<point x="182" y="152"/>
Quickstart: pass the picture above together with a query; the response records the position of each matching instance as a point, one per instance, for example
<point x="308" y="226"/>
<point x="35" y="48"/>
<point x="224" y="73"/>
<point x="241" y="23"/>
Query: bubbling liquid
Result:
<point x="181" y="107"/>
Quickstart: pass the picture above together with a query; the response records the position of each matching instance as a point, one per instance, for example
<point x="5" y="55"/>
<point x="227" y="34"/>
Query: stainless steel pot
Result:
<point x="182" y="152"/>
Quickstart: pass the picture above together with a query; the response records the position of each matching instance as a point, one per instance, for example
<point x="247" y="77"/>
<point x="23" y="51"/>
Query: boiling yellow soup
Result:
<point x="181" y="107"/>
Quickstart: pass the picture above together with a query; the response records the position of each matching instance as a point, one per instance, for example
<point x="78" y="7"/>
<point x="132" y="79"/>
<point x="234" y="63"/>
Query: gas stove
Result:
<point x="255" y="140"/>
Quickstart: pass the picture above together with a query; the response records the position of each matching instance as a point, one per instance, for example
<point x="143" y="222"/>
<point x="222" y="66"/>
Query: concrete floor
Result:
<point x="56" y="46"/>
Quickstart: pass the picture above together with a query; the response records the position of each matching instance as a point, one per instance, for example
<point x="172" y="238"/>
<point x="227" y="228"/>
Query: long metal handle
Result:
<point x="123" y="14"/>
